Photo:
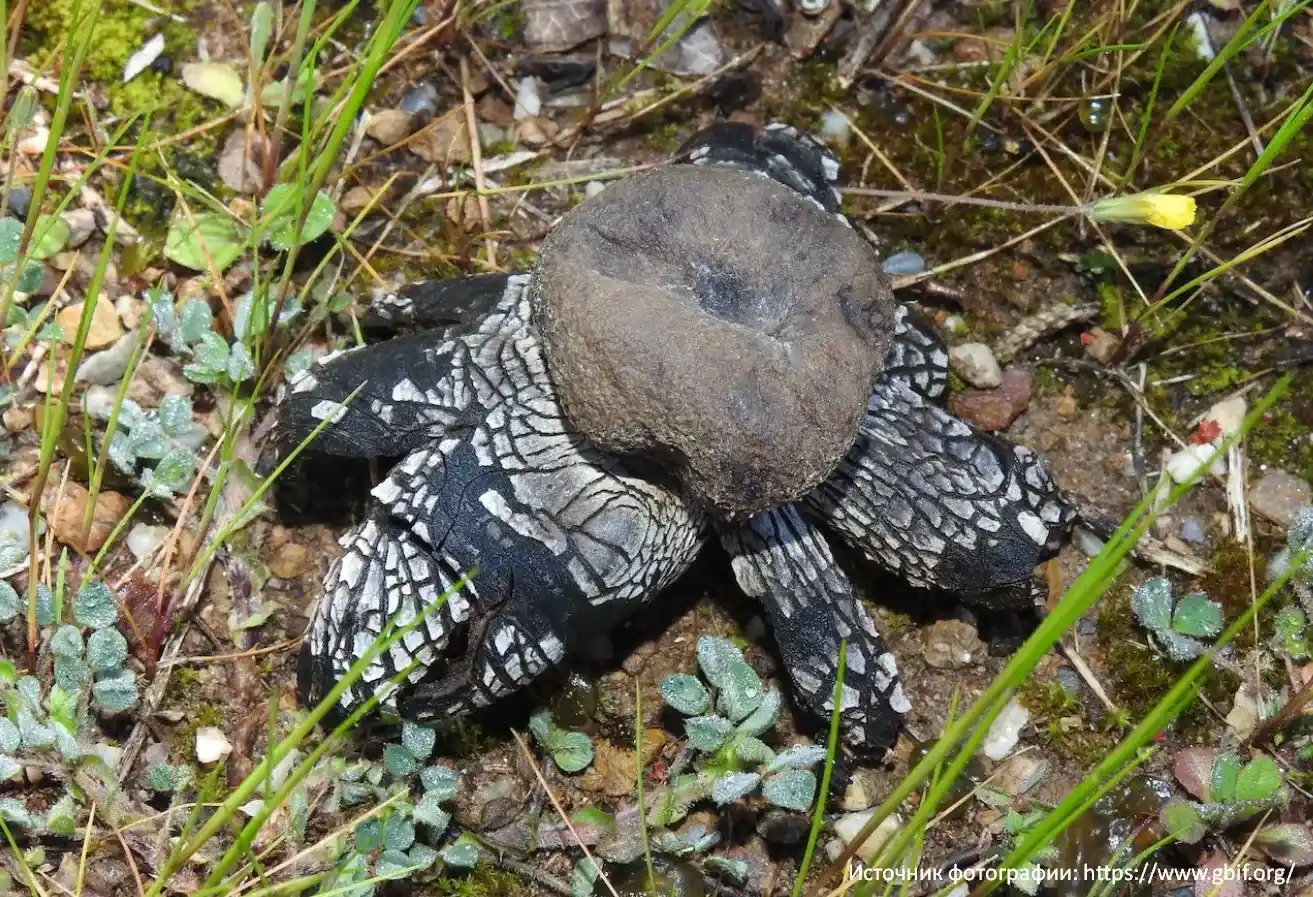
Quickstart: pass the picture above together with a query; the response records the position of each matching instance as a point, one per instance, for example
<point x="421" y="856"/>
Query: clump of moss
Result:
<point x="120" y="30"/>
<point x="1062" y="721"/>
<point x="480" y="882"/>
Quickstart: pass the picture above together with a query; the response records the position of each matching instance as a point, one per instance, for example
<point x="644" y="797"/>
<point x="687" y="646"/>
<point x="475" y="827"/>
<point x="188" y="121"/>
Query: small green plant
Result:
<point x="54" y="725"/>
<point x="1290" y="636"/>
<point x="732" y="761"/>
<point x="406" y="835"/>
<point x="571" y="751"/>
<point x="1226" y="792"/>
<point x="1176" y="626"/>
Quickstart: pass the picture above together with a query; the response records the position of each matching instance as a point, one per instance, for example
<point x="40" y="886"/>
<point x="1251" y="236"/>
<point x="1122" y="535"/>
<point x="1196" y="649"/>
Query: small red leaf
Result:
<point x="1193" y="768"/>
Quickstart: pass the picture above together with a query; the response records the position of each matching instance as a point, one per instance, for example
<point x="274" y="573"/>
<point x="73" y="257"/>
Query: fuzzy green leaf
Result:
<point x="685" y="693"/>
<point x="10" y="740"/>
<point x="798" y="757"/>
<point x="45" y="605"/>
<point x="731" y="786"/>
<point x="417" y="739"/>
<point x="792" y="789"/>
<point x="280" y="212"/>
<point x="9" y="767"/>
<point x="175" y="415"/>
<point x="10" y="605"/>
<point x="165" y="778"/>
<point x="188" y="242"/>
<point x="399" y="761"/>
<point x="107" y="649"/>
<point x="194" y="320"/>
<point x="369" y="835"/>
<point x="262" y="27"/>
<point x="117" y="692"/>
<point x="72" y="674"/>
<point x="15" y="811"/>
<point x="741" y="691"/>
<point x="422" y="856"/>
<point x="715" y="657"/>
<point x="48" y="237"/>
<point x="1151" y="603"/>
<point x="391" y="863"/>
<point x="1196" y="616"/>
<point x="173" y="474"/>
<point x="1288" y="636"/>
<point x="706" y="733"/>
<point x="398" y="833"/>
<point x="1182" y="820"/>
<point x="1225" y="774"/>
<point x="67" y="642"/>
<point x="584" y="878"/>
<point x="11" y="236"/>
<point x="752" y="751"/>
<point x="764" y="717"/>
<point x="572" y="751"/>
<point x="35" y="735"/>
<point x="462" y="853"/>
<point x="1259" y="780"/>
<point x="240" y="366"/>
<point x="440" y="781"/>
<point x="430" y="813"/>
<point x="30" y="277"/>
<point x="60" y="818"/>
<point x="94" y="607"/>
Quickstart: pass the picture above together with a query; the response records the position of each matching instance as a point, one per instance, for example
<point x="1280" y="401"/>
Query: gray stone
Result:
<point x="716" y="322"/>
<point x="1278" y="495"/>
<point x="952" y="645"/>
<point x="975" y="363"/>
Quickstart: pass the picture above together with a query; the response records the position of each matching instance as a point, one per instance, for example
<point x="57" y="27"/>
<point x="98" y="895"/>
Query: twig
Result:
<point x="871" y="32"/>
<point x="1088" y="675"/>
<point x="476" y="160"/>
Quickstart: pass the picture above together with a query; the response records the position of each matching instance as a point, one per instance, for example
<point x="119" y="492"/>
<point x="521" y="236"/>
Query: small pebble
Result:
<point x="1193" y="531"/>
<point x="996" y="409"/>
<point x="975" y="363"/>
<point x="1278" y="495"/>
<point x="952" y="645"/>
<point x="421" y="101"/>
<point x="904" y="264"/>
<point x="592" y="188"/>
<point x="20" y="200"/>
<point x="389" y="126"/>
<point x="15" y="533"/>
<point x="1100" y="345"/>
<point x="528" y="103"/>
<point x="108" y="367"/>
<point x="144" y="539"/>
<point x="104" y="330"/>
<point x="81" y="222"/>
<point x="849" y="826"/>
<point x="835" y="126"/>
<point x="211" y="744"/>
<point x="1006" y="731"/>
<point x="1184" y="463"/>
<point x="1021" y="773"/>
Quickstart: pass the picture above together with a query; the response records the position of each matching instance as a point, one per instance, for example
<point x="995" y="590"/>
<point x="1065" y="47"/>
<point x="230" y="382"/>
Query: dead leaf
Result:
<point x="445" y="140"/>
<point x="613" y="771"/>
<point x="242" y="161"/>
<point x="67" y="517"/>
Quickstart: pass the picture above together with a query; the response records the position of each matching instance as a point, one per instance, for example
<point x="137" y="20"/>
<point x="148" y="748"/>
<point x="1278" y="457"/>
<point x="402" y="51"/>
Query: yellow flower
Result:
<point x="1159" y="209"/>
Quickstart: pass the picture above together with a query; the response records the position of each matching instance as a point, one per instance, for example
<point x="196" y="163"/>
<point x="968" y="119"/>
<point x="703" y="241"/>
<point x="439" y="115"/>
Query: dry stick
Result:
<point x="560" y="811"/>
<point x="476" y="160"/>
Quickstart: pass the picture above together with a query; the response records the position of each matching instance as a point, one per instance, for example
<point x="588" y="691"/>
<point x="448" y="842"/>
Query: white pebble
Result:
<point x="211" y="744"/>
<point x="849" y="826"/>
<point x="527" y="101"/>
<point x="1183" y="464"/>
<point x="1006" y="730"/>
<point x="143" y="539"/>
<point x="592" y="188"/>
<point x="908" y="264"/>
<point x="15" y="532"/>
<point x="835" y="126"/>
<point x="975" y="363"/>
